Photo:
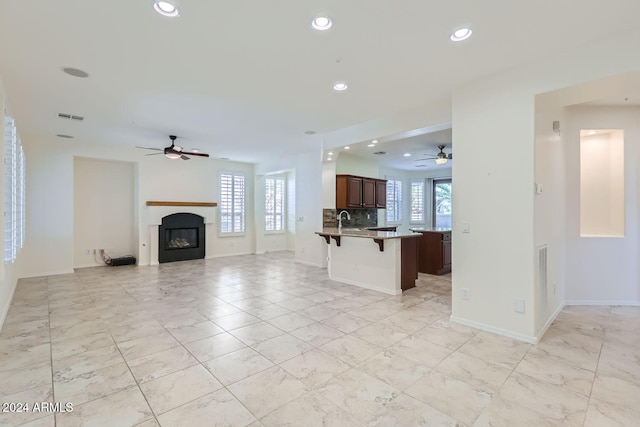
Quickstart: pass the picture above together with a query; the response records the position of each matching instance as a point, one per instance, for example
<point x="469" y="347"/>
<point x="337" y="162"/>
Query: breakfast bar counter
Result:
<point x="384" y="261"/>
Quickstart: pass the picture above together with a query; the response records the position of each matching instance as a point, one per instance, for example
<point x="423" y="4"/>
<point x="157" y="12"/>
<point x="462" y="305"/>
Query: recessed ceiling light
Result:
<point x="375" y="141"/>
<point x="407" y="154"/>
<point x="461" y="34"/>
<point x="321" y="23"/>
<point x="347" y="147"/>
<point x="60" y="135"/>
<point x="166" y="8"/>
<point x="340" y="86"/>
<point x="309" y="132"/>
<point x="591" y="132"/>
<point x="329" y="158"/>
<point x="330" y="153"/>
<point x="75" y="72"/>
<point x="371" y="145"/>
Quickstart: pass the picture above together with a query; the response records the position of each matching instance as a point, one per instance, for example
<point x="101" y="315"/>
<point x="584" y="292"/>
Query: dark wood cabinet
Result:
<point x="381" y="193"/>
<point x="434" y="252"/>
<point x="360" y="192"/>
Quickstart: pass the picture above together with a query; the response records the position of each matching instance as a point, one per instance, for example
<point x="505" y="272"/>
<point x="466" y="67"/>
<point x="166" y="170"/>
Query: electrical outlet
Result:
<point x="518" y="305"/>
<point x="465" y="294"/>
<point x="88" y="251"/>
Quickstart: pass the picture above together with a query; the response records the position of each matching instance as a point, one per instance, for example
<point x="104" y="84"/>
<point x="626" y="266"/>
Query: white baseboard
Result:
<point x="493" y="329"/>
<point x="49" y="273"/>
<point x="226" y="255"/>
<point x="550" y="320"/>
<point x="629" y="303"/>
<point x="310" y="264"/>
<point x="5" y="309"/>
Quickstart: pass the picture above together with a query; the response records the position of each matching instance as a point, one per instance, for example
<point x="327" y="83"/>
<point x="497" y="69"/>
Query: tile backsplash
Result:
<point x="359" y="218"/>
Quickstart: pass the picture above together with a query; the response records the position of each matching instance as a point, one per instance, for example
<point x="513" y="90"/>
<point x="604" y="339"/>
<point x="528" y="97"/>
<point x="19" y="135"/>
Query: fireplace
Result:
<point x="181" y="237"/>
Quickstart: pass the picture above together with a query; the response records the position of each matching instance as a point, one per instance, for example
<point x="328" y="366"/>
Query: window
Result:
<point x="232" y="203"/>
<point x="417" y="201"/>
<point x="442" y="204"/>
<point x="14" y="191"/>
<point x="274" y="208"/>
<point x="394" y="200"/>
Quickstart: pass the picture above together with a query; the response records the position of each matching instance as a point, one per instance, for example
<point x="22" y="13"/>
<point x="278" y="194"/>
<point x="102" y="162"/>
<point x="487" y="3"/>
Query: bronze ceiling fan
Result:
<point x="174" y="151"/>
<point x="441" y="158"/>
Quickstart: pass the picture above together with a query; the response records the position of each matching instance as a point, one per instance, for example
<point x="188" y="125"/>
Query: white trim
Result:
<point x="5" y="309"/>
<point x="499" y="331"/>
<point x="226" y="255"/>
<point x="55" y="273"/>
<point x="629" y="303"/>
<point x="310" y="264"/>
<point x="550" y="320"/>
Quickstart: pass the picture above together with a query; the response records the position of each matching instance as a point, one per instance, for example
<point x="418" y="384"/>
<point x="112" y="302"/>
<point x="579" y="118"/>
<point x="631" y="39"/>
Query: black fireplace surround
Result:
<point x="181" y="237"/>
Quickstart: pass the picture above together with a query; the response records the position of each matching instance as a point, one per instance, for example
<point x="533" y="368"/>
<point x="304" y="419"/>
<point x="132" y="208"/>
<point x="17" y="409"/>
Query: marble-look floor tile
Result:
<point x="137" y="330"/>
<point x="235" y="366"/>
<point x="69" y="347"/>
<point x="358" y="394"/>
<point x="557" y="372"/>
<point x="496" y="349"/>
<point x="291" y="322"/>
<point x="282" y="388"/>
<point x="395" y="370"/>
<point x="173" y="390"/>
<point x="256" y="333"/>
<point x="346" y="323"/>
<point x="88" y="361"/>
<point x="454" y="397"/>
<point x="350" y="349"/>
<point x="314" y="367"/>
<point x="269" y="311"/>
<point x="215" y="346"/>
<point x="93" y="385"/>
<point x="501" y="413"/>
<point x="22" y="379"/>
<point x="30" y="354"/>
<point x="296" y="304"/>
<point x="621" y="360"/>
<point x="125" y="408"/>
<point x="317" y="334"/>
<point x="406" y="411"/>
<point x="446" y="334"/>
<point x="420" y="351"/>
<point x="610" y="414"/>
<point x="479" y="373"/>
<point x="375" y="312"/>
<point x="319" y="312"/>
<point x="616" y="391"/>
<point x="281" y="348"/>
<point x="380" y="334"/>
<point x="235" y="321"/>
<point x="219" y="409"/>
<point x="557" y="402"/>
<point x="147" y="368"/>
<point x="40" y="394"/>
<point x="311" y="409"/>
<point x="47" y="421"/>
<point x="144" y="346"/>
<point x="190" y="333"/>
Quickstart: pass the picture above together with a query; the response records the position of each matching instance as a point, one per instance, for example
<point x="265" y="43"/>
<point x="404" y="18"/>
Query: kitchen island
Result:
<point x="384" y="261"/>
<point x="434" y="250"/>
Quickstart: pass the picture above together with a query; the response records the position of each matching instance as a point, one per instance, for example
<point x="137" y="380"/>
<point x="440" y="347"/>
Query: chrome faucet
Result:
<point x="340" y="218"/>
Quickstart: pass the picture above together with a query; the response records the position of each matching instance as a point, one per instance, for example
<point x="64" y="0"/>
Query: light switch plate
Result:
<point x="465" y="227"/>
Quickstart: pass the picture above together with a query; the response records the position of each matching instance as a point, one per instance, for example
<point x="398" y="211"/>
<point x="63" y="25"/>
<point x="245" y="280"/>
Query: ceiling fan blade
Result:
<point x="450" y="156"/>
<point x="195" y="154"/>
<point x="153" y="154"/>
<point x="426" y="158"/>
<point x="183" y="157"/>
<point x="148" y="148"/>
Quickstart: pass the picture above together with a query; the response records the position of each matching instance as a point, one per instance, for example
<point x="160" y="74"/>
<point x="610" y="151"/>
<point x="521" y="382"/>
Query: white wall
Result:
<point x="603" y="270"/>
<point x="104" y="215"/>
<point x="348" y="164"/>
<point x="8" y="273"/>
<point x="49" y="244"/>
<point x="494" y="135"/>
<point x="309" y="248"/>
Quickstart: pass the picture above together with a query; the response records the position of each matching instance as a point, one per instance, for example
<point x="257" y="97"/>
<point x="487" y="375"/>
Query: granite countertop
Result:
<point x="430" y="230"/>
<point x="363" y="232"/>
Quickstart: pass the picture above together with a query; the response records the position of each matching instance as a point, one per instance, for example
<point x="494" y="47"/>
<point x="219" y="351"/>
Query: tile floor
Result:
<point x="262" y="341"/>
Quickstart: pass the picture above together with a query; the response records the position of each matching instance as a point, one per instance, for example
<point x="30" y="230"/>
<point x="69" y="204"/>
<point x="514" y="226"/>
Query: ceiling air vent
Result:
<point x="70" y="117"/>
<point x="380" y="153"/>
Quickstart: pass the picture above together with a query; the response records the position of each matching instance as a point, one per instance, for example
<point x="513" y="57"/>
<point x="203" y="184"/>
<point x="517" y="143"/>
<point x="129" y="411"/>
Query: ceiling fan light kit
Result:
<point x="441" y="158"/>
<point x="174" y="151"/>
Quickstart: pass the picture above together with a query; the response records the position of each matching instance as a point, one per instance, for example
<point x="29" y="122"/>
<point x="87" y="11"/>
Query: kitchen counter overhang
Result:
<point x="390" y="268"/>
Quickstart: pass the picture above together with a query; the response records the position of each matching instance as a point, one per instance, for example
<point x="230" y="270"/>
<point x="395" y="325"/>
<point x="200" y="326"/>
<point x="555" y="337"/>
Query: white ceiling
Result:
<point x="245" y="79"/>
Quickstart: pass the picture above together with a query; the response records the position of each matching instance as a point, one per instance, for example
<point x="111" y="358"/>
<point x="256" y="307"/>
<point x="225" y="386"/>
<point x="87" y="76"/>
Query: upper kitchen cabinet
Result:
<point x="360" y="192"/>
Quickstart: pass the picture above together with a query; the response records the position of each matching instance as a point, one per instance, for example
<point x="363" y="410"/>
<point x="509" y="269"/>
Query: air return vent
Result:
<point x="380" y="153"/>
<point x="70" y="117"/>
<point x="542" y="286"/>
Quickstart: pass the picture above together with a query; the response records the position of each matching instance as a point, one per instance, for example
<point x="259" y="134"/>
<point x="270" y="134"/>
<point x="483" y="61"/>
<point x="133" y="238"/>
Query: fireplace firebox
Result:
<point x="181" y="237"/>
